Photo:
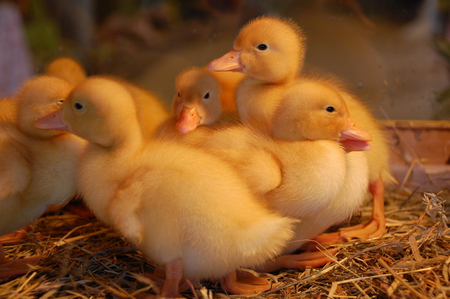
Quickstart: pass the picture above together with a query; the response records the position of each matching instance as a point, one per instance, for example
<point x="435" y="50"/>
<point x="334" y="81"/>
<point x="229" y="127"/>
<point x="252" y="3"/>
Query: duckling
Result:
<point x="323" y="184"/>
<point x="66" y="68"/>
<point x="37" y="165"/>
<point x="199" y="222"/>
<point x="259" y="52"/>
<point x="195" y="102"/>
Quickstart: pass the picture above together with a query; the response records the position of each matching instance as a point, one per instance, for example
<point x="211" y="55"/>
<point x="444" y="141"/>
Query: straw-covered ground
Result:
<point x="86" y="259"/>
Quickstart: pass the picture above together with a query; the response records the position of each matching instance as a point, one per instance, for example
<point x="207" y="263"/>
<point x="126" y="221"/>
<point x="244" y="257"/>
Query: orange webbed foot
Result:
<point x="15" y="236"/>
<point x="243" y="282"/>
<point x="16" y="267"/>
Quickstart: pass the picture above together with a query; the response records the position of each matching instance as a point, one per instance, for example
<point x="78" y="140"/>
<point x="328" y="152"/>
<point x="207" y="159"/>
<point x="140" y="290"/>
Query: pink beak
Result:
<point x="189" y="120"/>
<point x="354" y="138"/>
<point x="231" y="61"/>
<point x="51" y="121"/>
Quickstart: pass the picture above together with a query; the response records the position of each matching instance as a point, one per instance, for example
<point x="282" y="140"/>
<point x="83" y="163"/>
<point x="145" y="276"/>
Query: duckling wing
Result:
<point x="124" y="206"/>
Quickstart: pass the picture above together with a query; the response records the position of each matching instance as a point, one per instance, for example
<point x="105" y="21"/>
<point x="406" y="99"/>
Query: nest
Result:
<point x="83" y="258"/>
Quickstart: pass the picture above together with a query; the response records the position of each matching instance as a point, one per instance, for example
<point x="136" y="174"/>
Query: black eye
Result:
<point x="78" y="106"/>
<point x="330" y="109"/>
<point x="206" y="97"/>
<point x="178" y="94"/>
<point x="262" y="47"/>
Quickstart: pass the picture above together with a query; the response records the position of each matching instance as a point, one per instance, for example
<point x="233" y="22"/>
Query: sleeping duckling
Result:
<point x="37" y="166"/>
<point x="199" y="222"/>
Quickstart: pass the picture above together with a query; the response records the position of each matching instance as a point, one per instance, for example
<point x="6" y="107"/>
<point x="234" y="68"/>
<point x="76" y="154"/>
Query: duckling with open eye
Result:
<point x="184" y="208"/>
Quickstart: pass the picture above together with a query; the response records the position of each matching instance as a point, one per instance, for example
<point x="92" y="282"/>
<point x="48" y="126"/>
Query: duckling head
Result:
<point x="268" y="49"/>
<point x="197" y="101"/>
<point x="315" y="111"/>
<point x="38" y="97"/>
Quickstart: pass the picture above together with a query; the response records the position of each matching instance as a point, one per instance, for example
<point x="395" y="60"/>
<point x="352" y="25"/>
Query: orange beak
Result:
<point x="354" y="138"/>
<point x="51" y="121"/>
<point x="231" y="61"/>
<point x="188" y="121"/>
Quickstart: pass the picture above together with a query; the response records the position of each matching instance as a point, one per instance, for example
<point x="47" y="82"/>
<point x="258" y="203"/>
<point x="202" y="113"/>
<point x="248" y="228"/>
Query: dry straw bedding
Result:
<point x="86" y="259"/>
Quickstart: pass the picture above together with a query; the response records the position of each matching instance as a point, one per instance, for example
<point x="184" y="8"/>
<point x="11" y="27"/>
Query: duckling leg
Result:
<point x="159" y="277"/>
<point x="15" y="236"/>
<point x="376" y="226"/>
<point x="242" y="282"/>
<point x="174" y="274"/>
<point x="299" y="261"/>
<point x="12" y="268"/>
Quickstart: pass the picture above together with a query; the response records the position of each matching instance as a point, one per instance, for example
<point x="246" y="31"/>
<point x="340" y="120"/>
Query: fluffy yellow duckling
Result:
<point x="37" y="166"/>
<point x="322" y="185"/>
<point x="200" y="222"/>
<point x="66" y="68"/>
<point x="261" y="52"/>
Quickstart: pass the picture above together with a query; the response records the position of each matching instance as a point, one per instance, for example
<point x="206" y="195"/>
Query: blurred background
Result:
<point x="393" y="54"/>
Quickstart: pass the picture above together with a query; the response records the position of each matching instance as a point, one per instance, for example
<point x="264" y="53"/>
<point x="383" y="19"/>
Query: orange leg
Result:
<point x="15" y="236"/>
<point x="174" y="275"/>
<point x="242" y="282"/>
<point x="159" y="277"/>
<point x="376" y="226"/>
<point x="16" y="267"/>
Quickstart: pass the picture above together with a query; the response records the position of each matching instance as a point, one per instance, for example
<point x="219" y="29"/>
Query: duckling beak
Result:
<point x="354" y="138"/>
<point x="51" y="121"/>
<point x="231" y="61"/>
<point x="189" y="120"/>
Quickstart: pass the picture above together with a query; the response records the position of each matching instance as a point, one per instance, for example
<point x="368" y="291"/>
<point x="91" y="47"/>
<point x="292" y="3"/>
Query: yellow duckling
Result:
<point x="37" y="165"/>
<point x="199" y="222"/>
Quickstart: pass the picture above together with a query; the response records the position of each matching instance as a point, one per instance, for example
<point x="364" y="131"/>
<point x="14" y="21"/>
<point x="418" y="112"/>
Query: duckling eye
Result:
<point x="330" y="109"/>
<point x="206" y="97"/>
<point x="78" y="106"/>
<point x="262" y="47"/>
